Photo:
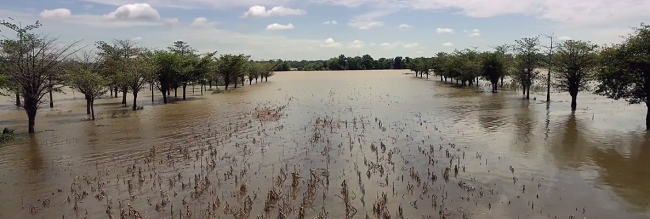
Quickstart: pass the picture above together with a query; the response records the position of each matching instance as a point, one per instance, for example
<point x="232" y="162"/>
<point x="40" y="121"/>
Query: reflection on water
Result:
<point x="565" y="161"/>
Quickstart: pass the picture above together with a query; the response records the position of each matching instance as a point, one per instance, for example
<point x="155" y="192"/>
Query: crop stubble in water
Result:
<point x="360" y="144"/>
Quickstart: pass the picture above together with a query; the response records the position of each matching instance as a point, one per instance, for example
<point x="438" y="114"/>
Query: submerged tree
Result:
<point x="625" y="70"/>
<point x="165" y="70"/>
<point x="528" y="58"/>
<point x="492" y="68"/>
<point x="574" y="62"/>
<point x="85" y="76"/>
<point x="31" y="62"/>
<point x="140" y="72"/>
<point x="231" y="67"/>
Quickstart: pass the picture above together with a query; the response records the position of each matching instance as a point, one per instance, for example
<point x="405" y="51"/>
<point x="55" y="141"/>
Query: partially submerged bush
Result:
<point x="7" y="135"/>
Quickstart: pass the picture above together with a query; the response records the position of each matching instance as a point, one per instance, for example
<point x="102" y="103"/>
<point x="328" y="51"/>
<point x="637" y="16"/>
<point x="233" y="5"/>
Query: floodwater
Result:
<point x="383" y="133"/>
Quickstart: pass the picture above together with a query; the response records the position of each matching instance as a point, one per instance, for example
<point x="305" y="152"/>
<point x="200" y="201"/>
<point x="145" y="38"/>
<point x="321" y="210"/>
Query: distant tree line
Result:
<point x="342" y="62"/>
<point x="33" y="65"/>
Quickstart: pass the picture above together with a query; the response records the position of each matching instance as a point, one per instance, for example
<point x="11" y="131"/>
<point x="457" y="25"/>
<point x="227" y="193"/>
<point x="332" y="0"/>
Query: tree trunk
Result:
<point x="574" y="103"/>
<point x="256" y="80"/>
<point x="210" y="82"/>
<point x="528" y="92"/>
<point x="476" y="82"/>
<point x="135" y="101"/>
<point x="165" y="96"/>
<point x="31" y="106"/>
<point x="18" y="98"/>
<point x="266" y="78"/>
<point x="92" y="109"/>
<point x="168" y="92"/>
<point x="243" y="81"/>
<point x="111" y="90"/>
<point x="202" y="87"/>
<point x="494" y="87"/>
<point x="152" y="100"/>
<point x="502" y="81"/>
<point x="176" y="92"/>
<point x="124" y="95"/>
<point x="250" y="81"/>
<point x="51" y="101"/>
<point x="87" y="105"/>
<point x="116" y="89"/>
<point x="184" y="86"/>
<point x="647" y="116"/>
<point x="192" y="89"/>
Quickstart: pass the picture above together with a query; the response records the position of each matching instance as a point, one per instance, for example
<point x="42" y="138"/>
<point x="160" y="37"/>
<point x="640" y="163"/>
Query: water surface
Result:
<point x="195" y="155"/>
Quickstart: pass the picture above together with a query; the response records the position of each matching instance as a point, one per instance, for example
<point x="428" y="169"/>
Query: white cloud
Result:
<point x="444" y="30"/>
<point x="473" y="33"/>
<point x="368" y="20"/>
<point x="88" y="6"/>
<point x="170" y="22"/>
<point x="201" y="22"/>
<point x="573" y="13"/>
<point x="136" y="38"/>
<point x="404" y="26"/>
<point x="392" y="45"/>
<point x="138" y="11"/>
<point x="563" y="38"/>
<point x="331" y="43"/>
<point x="373" y="44"/>
<point x="330" y="22"/>
<point x="56" y="13"/>
<point x="260" y="11"/>
<point x="448" y="44"/>
<point x="276" y="26"/>
<point x="410" y="45"/>
<point x="356" y="44"/>
<point x="124" y="16"/>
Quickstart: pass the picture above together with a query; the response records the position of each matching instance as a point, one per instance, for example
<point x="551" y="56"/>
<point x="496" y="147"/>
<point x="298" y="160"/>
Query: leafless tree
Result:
<point x="32" y="60"/>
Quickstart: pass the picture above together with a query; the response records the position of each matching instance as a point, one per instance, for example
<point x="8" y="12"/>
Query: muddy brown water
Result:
<point x="189" y="159"/>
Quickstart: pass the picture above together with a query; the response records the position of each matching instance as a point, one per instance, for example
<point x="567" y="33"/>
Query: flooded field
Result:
<point x="361" y="144"/>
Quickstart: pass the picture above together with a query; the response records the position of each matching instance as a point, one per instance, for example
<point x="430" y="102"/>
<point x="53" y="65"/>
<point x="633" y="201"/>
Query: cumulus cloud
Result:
<point x="444" y="30"/>
<point x="563" y="38"/>
<point x="260" y="11"/>
<point x="448" y="44"/>
<point x="356" y="44"/>
<point x="410" y="45"/>
<point x="575" y="13"/>
<point x="276" y="26"/>
<point x="329" y="42"/>
<point x="201" y="22"/>
<point x="404" y="26"/>
<point x="138" y="11"/>
<point x="56" y="13"/>
<point x="330" y="22"/>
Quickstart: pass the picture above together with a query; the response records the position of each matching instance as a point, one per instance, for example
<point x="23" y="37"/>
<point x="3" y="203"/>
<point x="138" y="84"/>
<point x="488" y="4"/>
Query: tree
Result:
<point x="624" y="71"/>
<point x="85" y="76"/>
<point x="492" y="68"/>
<point x="253" y="70"/>
<point x="32" y="60"/>
<point x="141" y="71"/>
<point x="230" y="67"/>
<point x="528" y="57"/>
<point x="165" y="70"/>
<point x="186" y="64"/>
<point x="574" y="62"/>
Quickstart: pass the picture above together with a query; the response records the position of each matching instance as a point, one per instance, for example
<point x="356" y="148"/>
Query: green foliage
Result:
<point x="230" y="67"/>
<point x="624" y="71"/>
<point x="574" y="63"/>
<point x="492" y="67"/>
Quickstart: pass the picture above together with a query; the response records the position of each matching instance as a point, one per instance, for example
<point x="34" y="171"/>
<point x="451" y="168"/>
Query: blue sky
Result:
<point x="293" y="29"/>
